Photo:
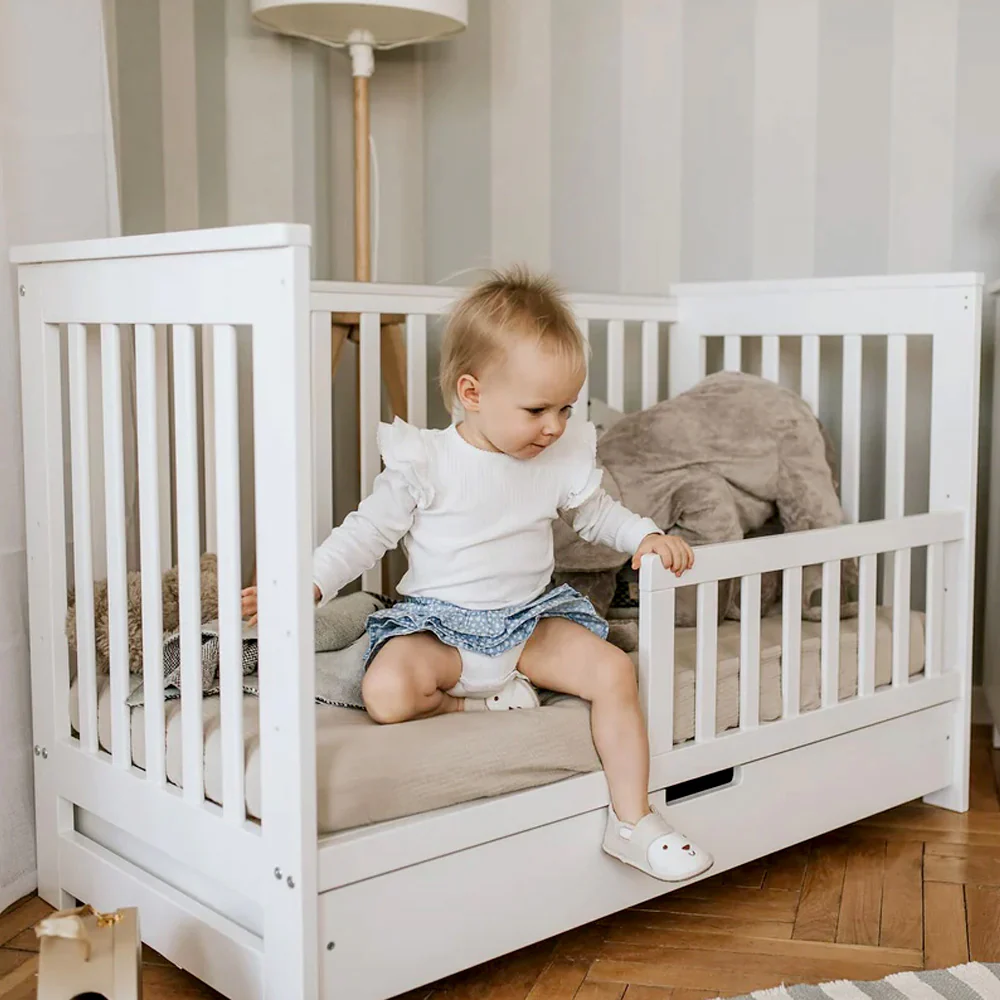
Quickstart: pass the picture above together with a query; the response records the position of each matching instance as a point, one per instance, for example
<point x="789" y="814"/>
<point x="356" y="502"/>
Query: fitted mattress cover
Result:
<point x="369" y="773"/>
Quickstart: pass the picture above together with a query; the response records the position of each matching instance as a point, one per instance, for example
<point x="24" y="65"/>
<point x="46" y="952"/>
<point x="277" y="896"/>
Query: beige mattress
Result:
<point x="369" y="773"/>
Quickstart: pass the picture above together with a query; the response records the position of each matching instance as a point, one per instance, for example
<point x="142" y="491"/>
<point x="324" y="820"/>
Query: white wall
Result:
<point x="633" y="142"/>
<point x="57" y="182"/>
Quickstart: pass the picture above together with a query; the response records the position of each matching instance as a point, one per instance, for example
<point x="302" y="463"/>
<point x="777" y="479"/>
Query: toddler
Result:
<point x="473" y="505"/>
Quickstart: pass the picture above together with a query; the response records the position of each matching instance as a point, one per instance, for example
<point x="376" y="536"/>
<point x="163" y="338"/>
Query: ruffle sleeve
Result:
<point x="404" y="450"/>
<point x="582" y="477"/>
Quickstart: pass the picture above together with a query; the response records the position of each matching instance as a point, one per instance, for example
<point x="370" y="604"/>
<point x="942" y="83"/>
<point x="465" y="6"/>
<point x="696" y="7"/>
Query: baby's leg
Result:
<point x="564" y="656"/>
<point x="408" y="679"/>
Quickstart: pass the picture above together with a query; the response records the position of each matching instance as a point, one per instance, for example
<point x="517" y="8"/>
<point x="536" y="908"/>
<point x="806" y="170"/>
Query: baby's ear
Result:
<point x="467" y="392"/>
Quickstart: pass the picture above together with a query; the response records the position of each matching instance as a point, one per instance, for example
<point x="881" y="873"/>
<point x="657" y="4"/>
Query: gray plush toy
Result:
<point x="735" y="456"/>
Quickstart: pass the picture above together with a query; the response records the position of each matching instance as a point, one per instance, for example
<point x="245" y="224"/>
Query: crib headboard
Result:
<point x="112" y="390"/>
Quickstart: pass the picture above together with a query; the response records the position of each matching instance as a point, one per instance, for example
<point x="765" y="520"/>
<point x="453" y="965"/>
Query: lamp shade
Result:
<point x="388" y="22"/>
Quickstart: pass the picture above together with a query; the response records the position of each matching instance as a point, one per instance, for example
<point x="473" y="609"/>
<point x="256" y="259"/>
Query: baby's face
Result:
<point x="525" y="401"/>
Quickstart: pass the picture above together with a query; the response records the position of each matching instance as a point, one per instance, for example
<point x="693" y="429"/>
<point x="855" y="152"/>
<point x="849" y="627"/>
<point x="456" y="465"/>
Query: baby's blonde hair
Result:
<point x="508" y="304"/>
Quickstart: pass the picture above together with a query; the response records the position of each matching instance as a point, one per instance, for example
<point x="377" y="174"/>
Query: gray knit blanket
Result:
<point x="340" y="644"/>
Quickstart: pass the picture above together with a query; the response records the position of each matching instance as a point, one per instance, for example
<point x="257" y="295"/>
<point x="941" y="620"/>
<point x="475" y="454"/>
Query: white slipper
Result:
<point x="518" y="692"/>
<point x="655" y="847"/>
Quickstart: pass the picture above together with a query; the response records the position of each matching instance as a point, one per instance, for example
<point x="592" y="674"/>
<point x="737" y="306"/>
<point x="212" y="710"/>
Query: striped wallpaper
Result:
<point x="622" y="144"/>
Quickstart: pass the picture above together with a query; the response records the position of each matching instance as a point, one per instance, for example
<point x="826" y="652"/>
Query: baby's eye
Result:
<point x="535" y="411"/>
<point x="567" y="410"/>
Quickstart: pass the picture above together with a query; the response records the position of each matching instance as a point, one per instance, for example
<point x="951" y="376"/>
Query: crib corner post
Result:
<point x="41" y="396"/>
<point x="954" y="482"/>
<point x="656" y="661"/>
<point x="283" y="490"/>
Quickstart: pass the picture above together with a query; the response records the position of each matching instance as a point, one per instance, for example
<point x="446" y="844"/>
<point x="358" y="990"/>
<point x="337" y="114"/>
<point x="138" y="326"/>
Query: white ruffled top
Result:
<point x="476" y="525"/>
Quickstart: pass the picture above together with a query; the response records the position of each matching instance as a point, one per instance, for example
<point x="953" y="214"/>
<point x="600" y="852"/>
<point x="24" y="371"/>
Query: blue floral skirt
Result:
<point x="488" y="632"/>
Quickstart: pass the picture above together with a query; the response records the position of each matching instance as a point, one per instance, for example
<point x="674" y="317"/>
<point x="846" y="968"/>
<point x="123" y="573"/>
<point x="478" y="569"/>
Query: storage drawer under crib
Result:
<point x="385" y="935"/>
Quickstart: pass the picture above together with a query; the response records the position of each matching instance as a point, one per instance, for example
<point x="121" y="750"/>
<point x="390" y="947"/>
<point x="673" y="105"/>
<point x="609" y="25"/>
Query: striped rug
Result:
<point x="964" y="982"/>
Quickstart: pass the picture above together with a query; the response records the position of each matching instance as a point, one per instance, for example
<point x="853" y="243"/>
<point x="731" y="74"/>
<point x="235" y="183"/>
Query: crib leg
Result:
<point x="955" y="796"/>
<point x="53" y="818"/>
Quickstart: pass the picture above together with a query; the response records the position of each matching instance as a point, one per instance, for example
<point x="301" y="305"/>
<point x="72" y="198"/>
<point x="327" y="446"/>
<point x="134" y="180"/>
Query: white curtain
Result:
<point x="57" y="182"/>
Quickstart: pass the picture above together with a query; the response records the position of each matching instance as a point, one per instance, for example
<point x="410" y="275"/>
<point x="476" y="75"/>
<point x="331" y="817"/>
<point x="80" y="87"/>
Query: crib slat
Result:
<point x="416" y="370"/>
<point x="188" y="562"/>
<point x="227" y="449"/>
<point x="830" y="636"/>
<point x="369" y="414"/>
<point x="706" y="662"/>
<point x="164" y="449"/>
<point x="322" y="424"/>
<point x="750" y="652"/>
<point x="791" y="641"/>
<point x="770" y="361"/>
<point x="114" y="505"/>
<point x="732" y="353"/>
<point x="656" y="677"/>
<point x="583" y="400"/>
<point x="867" y="572"/>
<point x="150" y="400"/>
<point x="208" y="432"/>
<point x="895" y="445"/>
<point x="83" y="553"/>
<point x="895" y="427"/>
<point x="850" y="429"/>
<point x="810" y="371"/>
<point x="650" y="363"/>
<point x="935" y="610"/>
<point x="901" y="618"/>
<point x="616" y="365"/>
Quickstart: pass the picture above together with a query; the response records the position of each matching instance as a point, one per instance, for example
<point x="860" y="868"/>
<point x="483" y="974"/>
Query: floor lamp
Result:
<point x="362" y="28"/>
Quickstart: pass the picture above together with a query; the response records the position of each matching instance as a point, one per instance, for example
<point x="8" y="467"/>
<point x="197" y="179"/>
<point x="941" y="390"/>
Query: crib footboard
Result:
<point x="116" y="403"/>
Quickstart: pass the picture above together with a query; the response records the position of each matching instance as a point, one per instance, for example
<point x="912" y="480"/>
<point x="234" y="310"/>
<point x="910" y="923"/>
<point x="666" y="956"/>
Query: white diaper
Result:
<point x="483" y="675"/>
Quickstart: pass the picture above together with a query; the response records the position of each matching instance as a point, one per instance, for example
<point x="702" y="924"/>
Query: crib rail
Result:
<point x="938" y="679"/>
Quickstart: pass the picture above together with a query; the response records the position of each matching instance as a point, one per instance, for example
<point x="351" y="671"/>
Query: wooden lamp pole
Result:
<point x="362" y="174"/>
<point x="347" y="325"/>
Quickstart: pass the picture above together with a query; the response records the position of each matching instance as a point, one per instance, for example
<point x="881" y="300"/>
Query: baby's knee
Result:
<point x="616" y="674"/>
<point x="390" y="692"/>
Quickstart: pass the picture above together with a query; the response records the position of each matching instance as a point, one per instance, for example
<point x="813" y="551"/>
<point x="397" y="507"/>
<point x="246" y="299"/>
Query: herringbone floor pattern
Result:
<point x="910" y="889"/>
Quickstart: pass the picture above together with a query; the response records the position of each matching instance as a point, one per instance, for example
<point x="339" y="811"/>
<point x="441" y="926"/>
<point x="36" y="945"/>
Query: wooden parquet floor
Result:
<point x="913" y="888"/>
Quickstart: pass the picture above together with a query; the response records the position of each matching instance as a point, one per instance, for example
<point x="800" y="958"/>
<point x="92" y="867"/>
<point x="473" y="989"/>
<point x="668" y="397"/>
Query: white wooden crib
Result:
<point x="269" y="909"/>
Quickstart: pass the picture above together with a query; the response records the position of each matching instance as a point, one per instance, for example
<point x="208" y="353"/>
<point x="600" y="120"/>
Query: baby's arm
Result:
<point x="365" y="535"/>
<point x="605" y="521"/>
